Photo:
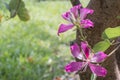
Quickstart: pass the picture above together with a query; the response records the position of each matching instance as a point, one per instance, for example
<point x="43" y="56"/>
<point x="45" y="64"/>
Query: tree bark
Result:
<point x="105" y="15"/>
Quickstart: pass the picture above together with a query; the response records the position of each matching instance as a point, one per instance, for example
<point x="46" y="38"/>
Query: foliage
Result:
<point x="108" y="35"/>
<point x="102" y="46"/>
<point x="111" y="33"/>
<point x="17" y="7"/>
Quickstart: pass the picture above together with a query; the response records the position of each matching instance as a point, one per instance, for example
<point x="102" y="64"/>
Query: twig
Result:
<point x="116" y="43"/>
<point x="113" y="51"/>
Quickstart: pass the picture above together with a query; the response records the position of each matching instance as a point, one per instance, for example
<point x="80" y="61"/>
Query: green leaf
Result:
<point x="17" y="7"/>
<point x="23" y="12"/>
<point x="102" y="46"/>
<point x="13" y="7"/>
<point x="110" y="33"/>
<point x="118" y="17"/>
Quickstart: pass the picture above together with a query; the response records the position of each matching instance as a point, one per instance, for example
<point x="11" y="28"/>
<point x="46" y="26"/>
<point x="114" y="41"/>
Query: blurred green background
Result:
<point x="32" y="50"/>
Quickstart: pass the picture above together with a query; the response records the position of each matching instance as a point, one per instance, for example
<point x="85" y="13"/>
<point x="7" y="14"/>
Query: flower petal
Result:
<point x="99" y="57"/>
<point x="75" y="10"/>
<point x="76" y="51"/>
<point x="86" y="23"/>
<point x="73" y="66"/>
<point x="64" y="28"/>
<point x="84" y="12"/>
<point x="98" y="70"/>
<point x="85" y="49"/>
<point x="67" y="15"/>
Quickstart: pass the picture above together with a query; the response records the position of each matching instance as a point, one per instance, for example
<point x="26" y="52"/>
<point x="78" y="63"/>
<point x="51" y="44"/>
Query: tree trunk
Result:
<point x="105" y="15"/>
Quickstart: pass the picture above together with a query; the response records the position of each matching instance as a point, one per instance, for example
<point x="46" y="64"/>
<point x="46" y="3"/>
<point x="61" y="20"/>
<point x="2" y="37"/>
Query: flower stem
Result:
<point x="93" y="77"/>
<point x="81" y="33"/>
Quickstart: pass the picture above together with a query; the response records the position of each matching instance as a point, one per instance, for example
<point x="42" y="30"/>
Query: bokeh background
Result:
<point x="32" y="50"/>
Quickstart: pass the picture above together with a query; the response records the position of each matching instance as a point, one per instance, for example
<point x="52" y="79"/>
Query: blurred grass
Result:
<point x="32" y="50"/>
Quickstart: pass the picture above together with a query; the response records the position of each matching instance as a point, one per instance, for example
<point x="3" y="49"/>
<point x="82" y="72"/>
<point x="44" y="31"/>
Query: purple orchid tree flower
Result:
<point x="76" y="17"/>
<point x="87" y="58"/>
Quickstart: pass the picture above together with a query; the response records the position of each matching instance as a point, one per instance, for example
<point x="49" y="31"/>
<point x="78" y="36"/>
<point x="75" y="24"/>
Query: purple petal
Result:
<point x="99" y="57"/>
<point x="76" y="51"/>
<point x="85" y="48"/>
<point x="64" y="28"/>
<point x="73" y="66"/>
<point x="66" y="16"/>
<point x="87" y="23"/>
<point x="75" y="10"/>
<point x="98" y="70"/>
<point x="84" y="12"/>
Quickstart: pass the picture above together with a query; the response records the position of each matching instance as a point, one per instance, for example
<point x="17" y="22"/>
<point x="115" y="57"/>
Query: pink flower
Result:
<point x="76" y="17"/>
<point x="87" y="59"/>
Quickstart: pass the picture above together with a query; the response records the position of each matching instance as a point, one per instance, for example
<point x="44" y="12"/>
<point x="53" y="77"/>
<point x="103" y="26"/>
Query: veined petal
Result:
<point x="85" y="49"/>
<point x="75" y="10"/>
<point x="98" y="70"/>
<point x="86" y="23"/>
<point x="64" y="28"/>
<point x="66" y="16"/>
<point x="73" y="66"/>
<point x="84" y="12"/>
<point x="99" y="57"/>
<point x="76" y="51"/>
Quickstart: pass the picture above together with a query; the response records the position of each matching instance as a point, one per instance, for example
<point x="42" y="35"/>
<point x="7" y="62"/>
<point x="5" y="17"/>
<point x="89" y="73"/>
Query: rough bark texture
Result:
<point x="105" y="15"/>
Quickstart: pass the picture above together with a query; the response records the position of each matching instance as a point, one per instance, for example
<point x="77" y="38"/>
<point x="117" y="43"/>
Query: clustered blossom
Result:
<point x="87" y="58"/>
<point x="76" y="17"/>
